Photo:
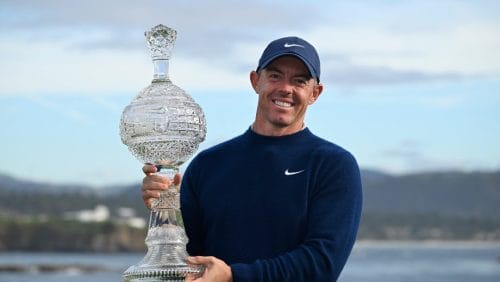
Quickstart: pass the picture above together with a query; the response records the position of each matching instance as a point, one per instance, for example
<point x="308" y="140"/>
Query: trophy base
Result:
<point x="168" y="273"/>
<point x="166" y="256"/>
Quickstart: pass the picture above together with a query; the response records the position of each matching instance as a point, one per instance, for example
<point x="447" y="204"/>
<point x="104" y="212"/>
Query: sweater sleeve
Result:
<point x="191" y="214"/>
<point x="333" y="220"/>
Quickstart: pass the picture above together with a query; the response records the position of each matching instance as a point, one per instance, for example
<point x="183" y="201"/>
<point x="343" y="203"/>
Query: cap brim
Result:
<point x="306" y="63"/>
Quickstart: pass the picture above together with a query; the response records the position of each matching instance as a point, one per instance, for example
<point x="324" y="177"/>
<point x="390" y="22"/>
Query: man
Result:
<point x="276" y="203"/>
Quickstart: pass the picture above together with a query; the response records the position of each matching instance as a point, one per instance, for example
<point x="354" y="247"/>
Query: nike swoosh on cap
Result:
<point x="288" y="173"/>
<point x="288" y="45"/>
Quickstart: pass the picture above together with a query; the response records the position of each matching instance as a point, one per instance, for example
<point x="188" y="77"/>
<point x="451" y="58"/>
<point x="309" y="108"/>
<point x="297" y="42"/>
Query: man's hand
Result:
<point x="153" y="184"/>
<point x="215" y="270"/>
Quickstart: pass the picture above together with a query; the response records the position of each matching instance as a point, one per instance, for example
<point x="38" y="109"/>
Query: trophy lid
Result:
<point x="160" y="40"/>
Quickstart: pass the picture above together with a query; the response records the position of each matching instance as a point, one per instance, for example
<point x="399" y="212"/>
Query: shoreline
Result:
<point x="71" y="263"/>
<point x="52" y="268"/>
<point x="359" y="242"/>
<point x="429" y="242"/>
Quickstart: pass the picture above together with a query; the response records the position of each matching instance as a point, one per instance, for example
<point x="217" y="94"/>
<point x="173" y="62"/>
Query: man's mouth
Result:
<point x="282" y="104"/>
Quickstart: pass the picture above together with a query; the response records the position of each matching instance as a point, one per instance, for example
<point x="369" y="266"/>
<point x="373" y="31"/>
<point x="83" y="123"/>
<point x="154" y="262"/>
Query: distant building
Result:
<point x="127" y="216"/>
<point x="125" y="212"/>
<point x="99" y="214"/>
<point x="136" y="222"/>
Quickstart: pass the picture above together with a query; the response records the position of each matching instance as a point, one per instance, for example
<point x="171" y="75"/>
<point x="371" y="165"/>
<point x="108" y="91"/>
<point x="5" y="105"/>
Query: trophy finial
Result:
<point x="160" y="40"/>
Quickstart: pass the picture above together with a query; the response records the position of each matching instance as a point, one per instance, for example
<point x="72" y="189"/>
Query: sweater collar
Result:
<point x="288" y="139"/>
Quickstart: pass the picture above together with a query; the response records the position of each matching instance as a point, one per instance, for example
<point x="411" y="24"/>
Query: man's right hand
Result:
<point x="153" y="184"/>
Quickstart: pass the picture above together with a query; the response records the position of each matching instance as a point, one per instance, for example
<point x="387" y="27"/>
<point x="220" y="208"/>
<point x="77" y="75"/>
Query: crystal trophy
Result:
<point x="163" y="126"/>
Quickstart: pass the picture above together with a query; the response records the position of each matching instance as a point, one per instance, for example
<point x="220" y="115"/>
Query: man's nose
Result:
<point x="286" y="87"/>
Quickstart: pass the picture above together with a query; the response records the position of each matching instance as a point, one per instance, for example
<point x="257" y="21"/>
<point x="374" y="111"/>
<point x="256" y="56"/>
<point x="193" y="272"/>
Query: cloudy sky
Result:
<point x="410" y="86"/>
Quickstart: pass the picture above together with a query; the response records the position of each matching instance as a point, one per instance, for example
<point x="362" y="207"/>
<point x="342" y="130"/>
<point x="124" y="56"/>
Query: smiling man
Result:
<point x="276" y="203"/>
<point x="285" y="89"/>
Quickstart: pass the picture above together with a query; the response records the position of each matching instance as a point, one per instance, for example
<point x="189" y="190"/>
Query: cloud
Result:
<point x="354" y="75"/>
<point x="95" y="47"/>
<point x="410" y="156"/>
<point x="198" y="21"/>
<point x="377" y="55"/>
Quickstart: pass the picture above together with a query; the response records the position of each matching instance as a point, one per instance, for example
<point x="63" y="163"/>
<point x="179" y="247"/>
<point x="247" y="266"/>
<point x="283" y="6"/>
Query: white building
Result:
<point x="99" y="214"/>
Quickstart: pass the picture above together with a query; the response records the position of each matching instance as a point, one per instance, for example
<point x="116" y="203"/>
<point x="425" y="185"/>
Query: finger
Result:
<point x="155" y="182"/>
<point x="147" y="194"/>
<point x="149" y="168"/>
<point x="149" y="197"/>
<point x="177" y="179"/>
<point x="149" y="202"/>
<point x="158" y="178"/>
<point x="191" y="278"/>
<point x="153" y="190"/>
<point x="200" y="260"/>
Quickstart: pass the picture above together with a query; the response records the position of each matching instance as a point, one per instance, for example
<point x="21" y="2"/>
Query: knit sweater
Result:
<point x="274" y="208"/>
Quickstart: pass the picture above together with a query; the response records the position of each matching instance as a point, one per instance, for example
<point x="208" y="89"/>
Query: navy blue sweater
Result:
<point x="273" y="208"/>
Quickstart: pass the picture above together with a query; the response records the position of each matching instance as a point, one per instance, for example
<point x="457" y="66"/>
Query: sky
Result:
<point x="409" y="86"/>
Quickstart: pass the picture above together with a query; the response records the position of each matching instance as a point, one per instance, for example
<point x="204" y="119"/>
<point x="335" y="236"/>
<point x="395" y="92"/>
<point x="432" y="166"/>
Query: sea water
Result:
<point x="369" y="261"/>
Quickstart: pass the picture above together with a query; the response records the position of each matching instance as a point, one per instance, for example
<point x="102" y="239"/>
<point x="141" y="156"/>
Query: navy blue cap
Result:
<point x="292" y="46"/>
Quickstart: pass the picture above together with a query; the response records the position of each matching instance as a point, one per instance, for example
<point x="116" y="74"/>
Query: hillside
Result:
<point x="425" y="206"/>
<point x="21" y="197"/>
<point x="466" y="194"/>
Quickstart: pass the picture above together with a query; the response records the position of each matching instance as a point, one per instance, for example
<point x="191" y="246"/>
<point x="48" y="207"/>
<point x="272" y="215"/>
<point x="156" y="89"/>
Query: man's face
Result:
<point x="285" y="90"/>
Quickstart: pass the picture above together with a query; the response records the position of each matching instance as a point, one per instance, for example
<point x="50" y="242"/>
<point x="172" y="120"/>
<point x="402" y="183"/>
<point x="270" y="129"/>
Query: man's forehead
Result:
<point x="298" y="64"/>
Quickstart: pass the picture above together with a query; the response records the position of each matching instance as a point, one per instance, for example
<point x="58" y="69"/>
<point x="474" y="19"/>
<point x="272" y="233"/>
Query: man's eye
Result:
<point x="300" y="81"/>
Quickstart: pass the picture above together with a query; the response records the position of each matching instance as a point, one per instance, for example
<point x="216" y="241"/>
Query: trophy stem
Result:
<point x="166" y="241"/>
<point x="160" y="69"/>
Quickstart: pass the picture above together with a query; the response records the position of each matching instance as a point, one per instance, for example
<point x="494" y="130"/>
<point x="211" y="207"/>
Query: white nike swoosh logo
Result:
<point x="288" y="45"/>
<point x="287" y="173"/>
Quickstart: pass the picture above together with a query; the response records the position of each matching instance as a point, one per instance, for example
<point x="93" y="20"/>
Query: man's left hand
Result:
<point x="215" y="270"/>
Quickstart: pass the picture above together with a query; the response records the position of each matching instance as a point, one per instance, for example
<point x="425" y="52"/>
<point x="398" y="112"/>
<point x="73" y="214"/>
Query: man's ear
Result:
<point x="318" y="89"/>
<point x="254" y="79"/>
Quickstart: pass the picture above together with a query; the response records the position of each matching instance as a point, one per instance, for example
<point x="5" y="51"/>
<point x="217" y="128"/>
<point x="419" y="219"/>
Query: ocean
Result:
<point x="369" y="261"/>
